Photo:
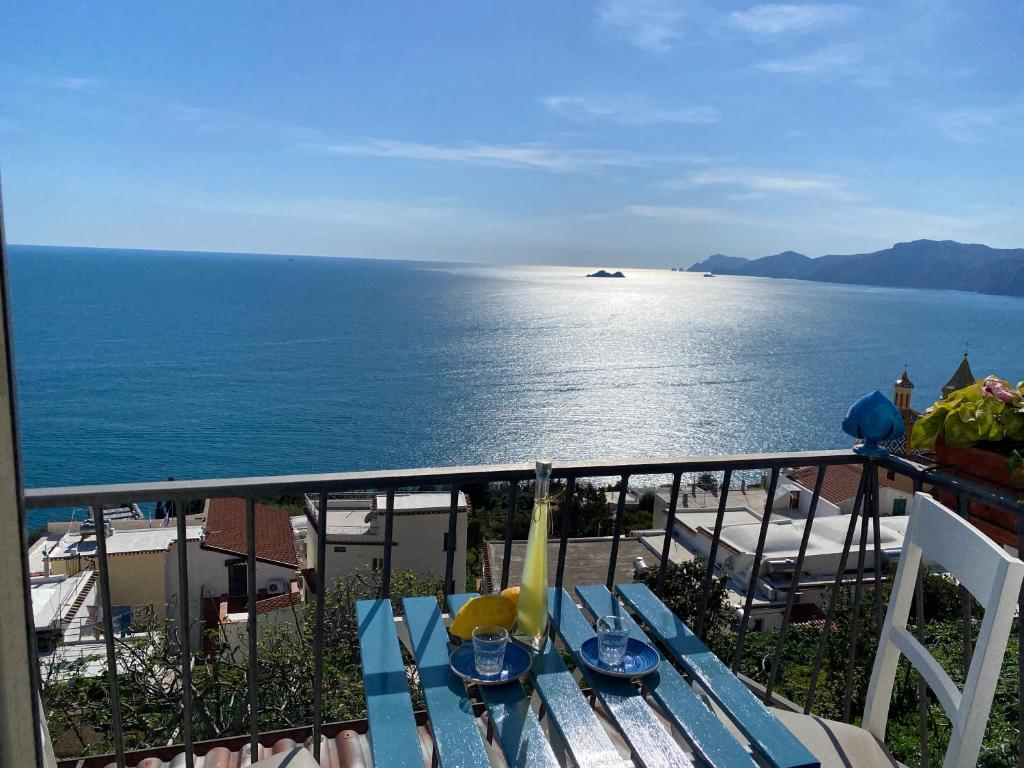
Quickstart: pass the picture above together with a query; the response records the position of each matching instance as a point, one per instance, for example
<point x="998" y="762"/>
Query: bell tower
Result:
<point x="901" y="392"/>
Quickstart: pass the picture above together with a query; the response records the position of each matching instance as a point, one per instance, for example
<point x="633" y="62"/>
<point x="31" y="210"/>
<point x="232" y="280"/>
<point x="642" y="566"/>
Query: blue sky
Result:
<point x="618" y="132"/>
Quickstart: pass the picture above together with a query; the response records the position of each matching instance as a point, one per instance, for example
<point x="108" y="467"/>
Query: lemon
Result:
<point x="483" y="610"/>
<point x="512" y="593"/>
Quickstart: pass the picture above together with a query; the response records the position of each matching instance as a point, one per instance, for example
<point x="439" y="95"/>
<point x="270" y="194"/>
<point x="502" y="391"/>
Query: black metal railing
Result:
<point x="319" y="487"/>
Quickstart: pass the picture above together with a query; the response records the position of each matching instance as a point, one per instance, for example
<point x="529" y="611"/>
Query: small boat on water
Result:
<point x="709" y="274"/>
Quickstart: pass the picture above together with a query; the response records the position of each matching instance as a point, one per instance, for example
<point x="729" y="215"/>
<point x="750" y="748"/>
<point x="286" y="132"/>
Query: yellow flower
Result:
<point x="480" y="611"/>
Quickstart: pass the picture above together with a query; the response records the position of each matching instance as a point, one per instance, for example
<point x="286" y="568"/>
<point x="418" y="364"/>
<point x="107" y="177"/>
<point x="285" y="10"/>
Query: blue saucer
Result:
<point x="517" y="663"/>
<point x="641" y="659"/>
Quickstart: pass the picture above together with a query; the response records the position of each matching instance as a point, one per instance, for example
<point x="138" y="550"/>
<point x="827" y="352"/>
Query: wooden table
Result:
<point x="573" y="727"/>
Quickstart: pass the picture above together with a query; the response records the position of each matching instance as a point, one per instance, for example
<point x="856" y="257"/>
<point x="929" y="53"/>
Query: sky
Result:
<point x="613" y="132"/>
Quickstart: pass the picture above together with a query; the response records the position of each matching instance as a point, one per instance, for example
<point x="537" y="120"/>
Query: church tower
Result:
<point x="962" y="377"/>
<point x="901" y="392"/>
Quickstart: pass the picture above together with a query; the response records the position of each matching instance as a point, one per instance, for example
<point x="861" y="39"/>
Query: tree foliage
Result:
<point x="150" y="685"/>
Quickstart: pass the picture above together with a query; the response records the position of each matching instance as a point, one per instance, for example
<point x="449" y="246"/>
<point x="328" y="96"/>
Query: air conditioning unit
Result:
<point x="277" y="587"/>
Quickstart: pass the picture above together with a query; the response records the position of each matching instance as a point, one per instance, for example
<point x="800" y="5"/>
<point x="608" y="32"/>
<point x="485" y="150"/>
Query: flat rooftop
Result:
<point x="121" y="542"/>
<point x="586" y="561"/>
<point x="420" y="502"/>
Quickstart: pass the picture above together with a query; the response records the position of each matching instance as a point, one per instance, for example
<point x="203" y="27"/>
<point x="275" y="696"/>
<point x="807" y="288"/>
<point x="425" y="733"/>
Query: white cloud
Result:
<point x="649" y="24"/>
<point x="76" y="83"/>
<point x="835" y="59"/>
<point x="973" y="124"/>
<point x="340" y="210"/>
<point x="530" y="156"/>
<point x="680" y="213"/>
<point x="781" y="18"/>
<point x="627" y="110"/>
<point x="765" y="182"/>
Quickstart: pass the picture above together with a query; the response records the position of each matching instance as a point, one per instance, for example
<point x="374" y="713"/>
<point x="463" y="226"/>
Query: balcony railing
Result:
<point x="319" y="486"/>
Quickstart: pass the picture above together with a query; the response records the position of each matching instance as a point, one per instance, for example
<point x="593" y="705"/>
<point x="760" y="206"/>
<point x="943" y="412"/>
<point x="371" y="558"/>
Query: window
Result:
<point x="377" y="564"/>
<point x="899" y="506"/>
<point x="341" y="549"/>
<point x="891" y="474"/>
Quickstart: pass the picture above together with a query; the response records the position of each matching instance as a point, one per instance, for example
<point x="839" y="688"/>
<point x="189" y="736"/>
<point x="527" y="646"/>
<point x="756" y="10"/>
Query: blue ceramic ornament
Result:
<point x="872" y="418"/>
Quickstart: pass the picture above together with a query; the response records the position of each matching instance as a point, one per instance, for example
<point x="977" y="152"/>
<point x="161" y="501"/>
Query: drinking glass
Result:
<point x="489" y="649"/>
<point x="612" y="636"/>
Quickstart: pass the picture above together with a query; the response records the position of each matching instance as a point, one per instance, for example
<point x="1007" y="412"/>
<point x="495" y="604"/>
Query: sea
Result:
<point x="142" y="365"/>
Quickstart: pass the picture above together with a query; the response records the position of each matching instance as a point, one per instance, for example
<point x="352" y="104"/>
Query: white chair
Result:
<point x="994" y="578"/>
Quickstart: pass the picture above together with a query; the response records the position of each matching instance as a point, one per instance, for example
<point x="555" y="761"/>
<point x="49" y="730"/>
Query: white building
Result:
<point x="741" y="527"/>
<point x="355" y="534"/>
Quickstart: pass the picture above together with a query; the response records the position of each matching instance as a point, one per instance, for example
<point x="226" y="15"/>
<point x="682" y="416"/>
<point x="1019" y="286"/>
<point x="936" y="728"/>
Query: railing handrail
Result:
<point x="187" y="490"/>
<point x="958" y="484"/>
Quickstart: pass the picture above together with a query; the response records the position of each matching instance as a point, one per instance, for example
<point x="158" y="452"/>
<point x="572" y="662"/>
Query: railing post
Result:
<point x="513" y="500"/>
<point x="666" y="546"/>
<point x="449" y="563"/>
<point x="389" y="534"/>
<point x="795" y="583"/>
<point x="716" y="537"/>
<point x="254" y="715"/>
<point x="613" y="557"/>
<point x="108" y="633"/>
<point x="184" y="630"/>
<point x="318" y="626"/>
<point x="563" y="541"/>
<point x="755" y="570"/>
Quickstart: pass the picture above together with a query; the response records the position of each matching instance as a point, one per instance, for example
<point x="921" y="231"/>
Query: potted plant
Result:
<point x="980" y="430"/>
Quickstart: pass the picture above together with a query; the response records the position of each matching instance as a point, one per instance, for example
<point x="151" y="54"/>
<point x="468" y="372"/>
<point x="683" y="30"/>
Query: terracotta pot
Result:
<point x="988" y="468"/>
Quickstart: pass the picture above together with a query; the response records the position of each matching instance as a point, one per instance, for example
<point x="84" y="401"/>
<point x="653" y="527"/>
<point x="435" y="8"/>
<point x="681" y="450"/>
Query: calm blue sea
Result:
<point x="139" y="365"/>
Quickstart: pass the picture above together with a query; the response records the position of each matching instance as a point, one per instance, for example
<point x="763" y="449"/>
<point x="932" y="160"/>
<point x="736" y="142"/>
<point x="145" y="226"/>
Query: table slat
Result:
<point x="651" y="744"/>
<point x="393" y="736"/>
<point x="578" y="726"/>
<point x="771" y="739"/>
<point x="456" y="736"/>
<point x="522" y="739"/>
<point x="710" y="739"/>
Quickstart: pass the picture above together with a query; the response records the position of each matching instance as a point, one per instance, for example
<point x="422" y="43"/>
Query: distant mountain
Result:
<point x="943" y="264"/>
<point x="718" y="262"/>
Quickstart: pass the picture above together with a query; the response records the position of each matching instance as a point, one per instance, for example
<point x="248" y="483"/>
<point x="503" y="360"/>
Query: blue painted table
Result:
<point x="565" y="727"/>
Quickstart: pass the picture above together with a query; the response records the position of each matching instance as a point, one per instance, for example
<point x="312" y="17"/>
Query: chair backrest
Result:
<point x="994" y="578"/>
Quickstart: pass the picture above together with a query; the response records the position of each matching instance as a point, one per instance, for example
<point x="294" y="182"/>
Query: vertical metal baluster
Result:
<point x="617" y="531"/>
<point x="108" y="634"/>
<point x="184" y="628"/>
<point x="389" y="530"/>
<point x="963" y="507"/>
<point x="795" y="583"/>
<point x="922" y="686"/>
<point x="513" y="500"/>
<point x="819" y="654"/>
<point x="318" y="628"/>
<point x="716" y="537"/>
<point x="563" y="543"/>
<point x="869" y="505"/>
<point x="449" y="561"/>
<point x="755" y="574"/>
<point x="254" y="717"/>
<point x="670" y="524"/>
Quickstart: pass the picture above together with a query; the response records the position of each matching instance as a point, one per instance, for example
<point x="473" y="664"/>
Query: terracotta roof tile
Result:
<point x="226" y="529"/>
<point x="840" y="483"/>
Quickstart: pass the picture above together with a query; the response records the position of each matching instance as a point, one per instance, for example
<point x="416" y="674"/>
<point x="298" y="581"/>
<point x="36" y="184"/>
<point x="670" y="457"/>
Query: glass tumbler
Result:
<point x="612" y="636"/>
<point x="489" y="649"/>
